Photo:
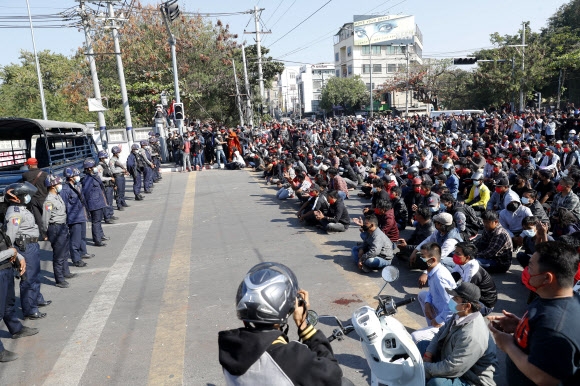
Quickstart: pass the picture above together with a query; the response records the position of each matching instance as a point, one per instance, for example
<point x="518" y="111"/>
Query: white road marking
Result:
<point x="74" y="358"/>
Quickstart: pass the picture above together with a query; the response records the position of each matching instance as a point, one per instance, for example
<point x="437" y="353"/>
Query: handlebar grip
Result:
<point x="331" y="338"/>
<point x="405" y="302"/>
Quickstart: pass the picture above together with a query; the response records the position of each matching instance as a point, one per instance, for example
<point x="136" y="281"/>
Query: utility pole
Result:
<point x="170" y="11"/>
<point x="40" y="86"/>
<point x="257" y="12"/>
<point x="124" y="97"/>
<point x="559" y="89"/>
<point x="524" y="24"/>
<point x="407" y="86"/>
<point x="249" y="111"/>
<point x="91" y="57"/>
<point x="238" y="102"/>
<point x="371" y="76"/>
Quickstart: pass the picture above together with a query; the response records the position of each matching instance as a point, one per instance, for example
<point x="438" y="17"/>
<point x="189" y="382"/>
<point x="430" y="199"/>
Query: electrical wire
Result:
<point x="302" y="22"/>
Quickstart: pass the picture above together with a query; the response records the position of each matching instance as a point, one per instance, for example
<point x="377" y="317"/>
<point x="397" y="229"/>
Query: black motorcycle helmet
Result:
<point x="267" y="295"/>
<point x="16" y="193"/>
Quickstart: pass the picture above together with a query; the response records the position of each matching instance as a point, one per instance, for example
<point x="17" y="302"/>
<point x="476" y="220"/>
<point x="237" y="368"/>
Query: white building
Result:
<point x="310" y="82"/>
<point x="288" y="91"/>
<point x="380" y="43"/>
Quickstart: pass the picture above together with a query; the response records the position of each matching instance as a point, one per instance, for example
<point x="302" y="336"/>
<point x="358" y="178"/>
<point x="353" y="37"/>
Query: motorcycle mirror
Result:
<point x="390" y="273"/>
<point x="312" y="317"/>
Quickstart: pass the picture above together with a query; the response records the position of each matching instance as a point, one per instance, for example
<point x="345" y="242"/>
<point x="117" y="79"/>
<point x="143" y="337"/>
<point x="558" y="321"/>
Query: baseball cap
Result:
<point x="443" y="218"/>
<point x="32" y="161"/>
<point x="467" y="291"/>
<point x="502" y="182"/>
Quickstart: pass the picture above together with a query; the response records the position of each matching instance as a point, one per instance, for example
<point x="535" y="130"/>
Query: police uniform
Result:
<point x="148" y="170"/>
<point x="23" y="233"/>
<point x="7" y="293"/>
<point x="155" y="155"/>
<point x="106" y="176"/>
<point x="76" y="219"/>
<point x="136" y="166"/>
<point x="119" y="168"/>
<point x="54" y="224"/>
<point x="94" y="194"/>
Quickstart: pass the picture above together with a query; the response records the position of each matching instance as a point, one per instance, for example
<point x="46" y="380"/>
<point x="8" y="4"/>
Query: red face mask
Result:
<point x="566" y="150"/>
<point x="417" y="189"/>
<point x="476" y="154"/>
<point x="526" y="279"/>
<point x="423" y="192"/>
<point x="498" y="189"/>
<point x="377" y="211"/>
<point x="312" y="194"/>
<point x="549" y="153"/>
<point x="489" y="161"/>
<point x="410" y="176"/>
<point x="392" y="196"/>
<point x="559" y="188"/>
<point x="457" y="260"/>
<point x="534" y="149"/>
<point x="496" y="170"/>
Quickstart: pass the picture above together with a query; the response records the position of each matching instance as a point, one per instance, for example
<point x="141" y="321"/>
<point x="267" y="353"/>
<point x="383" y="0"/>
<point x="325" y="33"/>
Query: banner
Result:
<point x="384" y="29"/>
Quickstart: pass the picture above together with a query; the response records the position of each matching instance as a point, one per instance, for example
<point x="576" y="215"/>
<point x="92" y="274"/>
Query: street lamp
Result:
<point x="360" y="32"/>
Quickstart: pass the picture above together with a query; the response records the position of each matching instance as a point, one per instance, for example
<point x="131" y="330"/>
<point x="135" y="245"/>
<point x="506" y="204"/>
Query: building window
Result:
<point x="394" y="50"/>
<point x="391" y="68"/>
<point x="292" y="87"/>
<point x="292" y="75"/>
<point x="377" y="68"/>
<point x="366" y="50"/>
<point x="316" y="84"/>
<point x="349" y="51"/>
<point x="366" y="68"/>
<point x="336" y="56"/>
<point x="376" y="50"/>
<point x="337" y="73"/>
<point x="349" y="70"/>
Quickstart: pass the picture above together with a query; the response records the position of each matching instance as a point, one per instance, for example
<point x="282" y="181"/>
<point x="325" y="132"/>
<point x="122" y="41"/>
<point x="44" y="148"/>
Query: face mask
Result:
<point x="58" y="188"/>
<point x="378" y="212"/>
<point x="312" y="194"/>
<point x="373" y="190"/>
<point x="423" y="192"/>
<point x="417" y="189"/>
<point x="453" y="305"/>
<point x="27" y="199"/>
<point x="526" y="280"/>
<point x="457" y="260"/>
<point x="442" y="206"/>
<point x="549" y="153"/>
<point x="365" y="228"/>
<point x="496" y="170"/>
<point x="447" y="172"/>
<point x="476" y="183"/>
<point x="512" y="206"/>
<point x="525" y="200"/>
<point x="498" y="190"/>
<point x="566" y="150"/>
<point x="95" y="170"/>
<point x="77" y="178"/>
<point x="529" y="232"/>
<point x="559" y="188"/>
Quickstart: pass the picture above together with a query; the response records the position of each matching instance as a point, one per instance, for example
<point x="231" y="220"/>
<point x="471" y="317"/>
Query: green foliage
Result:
<point x="63" y="85"/>
<point x="346" y="92"/>
<point x="270" y="68"/>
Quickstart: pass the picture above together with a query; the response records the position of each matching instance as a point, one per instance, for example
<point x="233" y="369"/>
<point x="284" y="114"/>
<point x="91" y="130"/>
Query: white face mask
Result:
<point x="529" y="232"/>
<point x="77" y="178"/>
<point x="58" y="188"/>
<point x="27" y="199"/>
<point x="95" y="170"/>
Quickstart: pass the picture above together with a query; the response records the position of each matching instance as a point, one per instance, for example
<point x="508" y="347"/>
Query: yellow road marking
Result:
<point x="167" y="360"/>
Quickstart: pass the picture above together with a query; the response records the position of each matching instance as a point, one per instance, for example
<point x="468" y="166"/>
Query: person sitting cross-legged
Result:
<point x="376" y="251"/>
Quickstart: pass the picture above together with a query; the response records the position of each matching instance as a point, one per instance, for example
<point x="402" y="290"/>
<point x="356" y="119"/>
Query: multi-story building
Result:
<point x="378" y="48"/>
<point x="288" y="91"/>
<point x="310" y="82"/>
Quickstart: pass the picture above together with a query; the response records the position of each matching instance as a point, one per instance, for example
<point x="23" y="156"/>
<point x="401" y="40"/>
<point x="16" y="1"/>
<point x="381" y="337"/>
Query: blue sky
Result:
<point x="451" y="28"/>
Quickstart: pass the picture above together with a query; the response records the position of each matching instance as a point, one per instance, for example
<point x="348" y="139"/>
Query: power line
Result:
<point x="302" y="22"/>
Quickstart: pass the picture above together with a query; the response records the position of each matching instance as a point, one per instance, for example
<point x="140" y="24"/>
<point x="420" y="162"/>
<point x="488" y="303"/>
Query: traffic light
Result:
<point x="171" y="9"/>
<point x="178" y="109"/>
<point x="464" y="61"/>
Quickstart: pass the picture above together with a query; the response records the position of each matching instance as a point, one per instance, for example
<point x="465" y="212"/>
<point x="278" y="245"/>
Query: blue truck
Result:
<point x="56" y="145"/>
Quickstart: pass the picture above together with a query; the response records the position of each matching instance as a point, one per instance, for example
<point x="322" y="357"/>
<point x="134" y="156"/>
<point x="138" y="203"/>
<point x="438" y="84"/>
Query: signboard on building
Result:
<point x="391" y="29"/>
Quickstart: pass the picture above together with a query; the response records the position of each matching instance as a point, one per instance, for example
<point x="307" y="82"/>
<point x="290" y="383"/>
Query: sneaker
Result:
<point x="365" y="268"/>
<point x="62" y="284"/>
<point x="25" y="331"/>
<point x="7" y="356"/>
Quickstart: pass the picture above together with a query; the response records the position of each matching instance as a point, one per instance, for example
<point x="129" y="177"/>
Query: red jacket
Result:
<point x="388" y="225"/>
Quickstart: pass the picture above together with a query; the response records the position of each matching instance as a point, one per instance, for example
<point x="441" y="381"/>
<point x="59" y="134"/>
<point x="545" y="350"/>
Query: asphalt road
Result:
<point x="148" y="307"/>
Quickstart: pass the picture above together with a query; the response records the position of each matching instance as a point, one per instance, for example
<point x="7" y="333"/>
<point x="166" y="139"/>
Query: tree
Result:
<point x="270" y="67"/>
<point x="64" y="89"/>
<point x="346" y="92"/>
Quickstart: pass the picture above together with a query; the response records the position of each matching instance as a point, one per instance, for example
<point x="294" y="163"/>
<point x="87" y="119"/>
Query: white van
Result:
<point x="435" y="114"/>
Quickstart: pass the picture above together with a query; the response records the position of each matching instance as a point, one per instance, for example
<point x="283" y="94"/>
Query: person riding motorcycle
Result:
<point x="261" y="353"/>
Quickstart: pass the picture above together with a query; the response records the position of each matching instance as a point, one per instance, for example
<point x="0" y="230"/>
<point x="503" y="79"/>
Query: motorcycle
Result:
<point x="393" y="357"/>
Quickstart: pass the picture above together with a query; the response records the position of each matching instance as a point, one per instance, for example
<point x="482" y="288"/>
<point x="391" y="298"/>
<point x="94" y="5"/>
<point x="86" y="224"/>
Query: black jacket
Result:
<point x="401" y="214"/>
<point x="337" y="213"/>
<point x="310" y="363"/>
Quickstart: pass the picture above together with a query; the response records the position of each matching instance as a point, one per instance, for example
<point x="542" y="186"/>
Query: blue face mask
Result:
<point x="452" y="304"/>
<point x="442" y="207"/>
<point x="529" y="232"/>
<point x="27" y="199"/>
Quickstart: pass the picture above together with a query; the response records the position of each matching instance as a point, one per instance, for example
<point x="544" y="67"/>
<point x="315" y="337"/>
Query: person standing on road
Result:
<point x="543" y="347"/>
<point x="54" y="225"/>
<point x="186" y="150"/>
<point x="106" y="176"/>
<point x="119" y="171"/>
<point x="76" y="216"/>
<point x="136" y="166"/>
<point x="260" y="353"/>
<point x="8" y="255"/>
<point x="148" y="170"/>
<point x="36" y="177"/>
<point x="94" y="194"/>
<point x="23" y="233"/>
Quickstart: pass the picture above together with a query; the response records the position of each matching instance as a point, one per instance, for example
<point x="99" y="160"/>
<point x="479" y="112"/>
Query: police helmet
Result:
<point x="267" y="295"/>
<point x="15" y="193"/>
<point x="76" y="172"/>
<point x="413" y="170"/>
<point x="52" y="180"/>
<point x="153" y="140"/>
<point x="477" y="176"/>
<point x="89" y="163"/>
<point x="135" y="146"/>
<point x="68" y="173"/>
<point x="103" y="154"/>
<point x="144" y="143"/>
<point x="116" y="150"/>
